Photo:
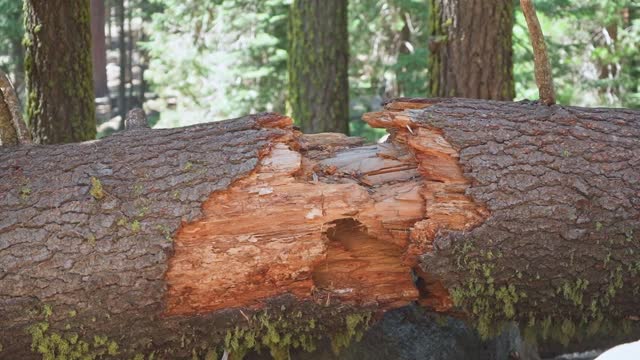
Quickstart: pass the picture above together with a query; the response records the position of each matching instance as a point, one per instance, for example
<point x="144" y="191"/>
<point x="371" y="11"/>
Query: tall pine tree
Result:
<point x="60" y="97"/>
<point x="318" y="65"/>
<point x="99" y="48"/>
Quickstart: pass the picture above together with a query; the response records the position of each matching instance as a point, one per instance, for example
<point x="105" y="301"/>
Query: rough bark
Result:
<point x="60" y="101"/>
<point x="99" y="48"/>
<point x="318" y="65"/>
<point x="557" y="245"/>
<point x="471" y="51"/>
<point x="245" y="232"/>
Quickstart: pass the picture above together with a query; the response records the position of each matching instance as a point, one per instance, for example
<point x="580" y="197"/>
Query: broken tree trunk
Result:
<point x="247" y="234"/>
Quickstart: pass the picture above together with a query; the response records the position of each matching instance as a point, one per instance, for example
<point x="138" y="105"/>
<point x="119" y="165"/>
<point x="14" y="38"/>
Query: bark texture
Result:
<point x="471" y="51"/>
<point x="558" y="249"/>
<point x="318" y="65"/>
<point x="245" y="233"/>
<point x="60" y="101"/>
<point x="107" y="213"/>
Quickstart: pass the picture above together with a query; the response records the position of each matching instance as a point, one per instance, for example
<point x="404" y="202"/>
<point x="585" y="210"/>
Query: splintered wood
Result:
<point x="325" y="219"/>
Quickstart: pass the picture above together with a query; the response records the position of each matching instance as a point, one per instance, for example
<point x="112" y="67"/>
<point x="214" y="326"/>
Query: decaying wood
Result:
<point x="13" y="130"/>
<point x="542" y="65"/>
<point x="164" y="240"/>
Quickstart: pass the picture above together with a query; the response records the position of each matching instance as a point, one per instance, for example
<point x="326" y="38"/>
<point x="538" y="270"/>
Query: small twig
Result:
<point x="13" y="104"/>
<point x="245" y="316"/>
<point x="542" y="67"/>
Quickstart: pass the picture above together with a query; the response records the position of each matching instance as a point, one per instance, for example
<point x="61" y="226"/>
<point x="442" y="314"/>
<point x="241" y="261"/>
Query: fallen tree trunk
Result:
<point x="246" y="233"/>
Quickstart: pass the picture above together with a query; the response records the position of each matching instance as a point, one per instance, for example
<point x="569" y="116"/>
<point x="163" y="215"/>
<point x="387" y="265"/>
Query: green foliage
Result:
<point x="11" y="32"/>
<point x="388" y="42"/>
<point x="223" y="58"/>
<point x="217" y="68"/>
<point x="593" y="50"/>
<point x="388" y="48"/>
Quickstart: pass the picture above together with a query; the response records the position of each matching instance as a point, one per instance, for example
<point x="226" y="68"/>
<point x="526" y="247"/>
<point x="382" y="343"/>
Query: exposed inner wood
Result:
<point x="363" y="268"/>
<point x="447" y="206"/>
<point x="260" y="238"/>
<point x="326" y="219"/>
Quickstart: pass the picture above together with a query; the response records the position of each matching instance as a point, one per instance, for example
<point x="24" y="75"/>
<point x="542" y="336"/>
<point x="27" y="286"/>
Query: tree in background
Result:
<point x="210" y="67"/>
<point x="122" y="59"/>
<point x="11" y="35"/>
<point x="318" y="65"/>
<point x="60" y="100"/>
<point x="98" y="48"/>
<point x="388" y="56"/>
<point x="225" y="58"/>
<point x="593" y="49"/>
<point x="471" y="49"/>
<point x="215" y="60"/>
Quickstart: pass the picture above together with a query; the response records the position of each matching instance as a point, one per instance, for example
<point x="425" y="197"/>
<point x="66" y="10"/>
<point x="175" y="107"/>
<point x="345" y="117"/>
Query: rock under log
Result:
<point x="246" y="233"/>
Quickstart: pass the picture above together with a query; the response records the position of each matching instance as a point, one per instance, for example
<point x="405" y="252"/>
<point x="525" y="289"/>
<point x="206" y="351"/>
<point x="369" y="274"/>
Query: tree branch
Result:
<point x="544" y="78"/>
<point x="13" y="130"/>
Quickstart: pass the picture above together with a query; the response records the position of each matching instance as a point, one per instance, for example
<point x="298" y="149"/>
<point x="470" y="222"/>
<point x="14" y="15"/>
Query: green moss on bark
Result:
<point x="491" y="302"/>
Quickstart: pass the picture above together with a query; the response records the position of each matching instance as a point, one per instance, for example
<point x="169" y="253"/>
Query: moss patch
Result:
<point x="96" y="188"/>
<point x="279" y="335"/>
<point x="67" y="345"/>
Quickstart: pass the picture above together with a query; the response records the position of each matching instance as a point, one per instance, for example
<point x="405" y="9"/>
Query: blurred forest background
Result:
<point x="189" y="61"/>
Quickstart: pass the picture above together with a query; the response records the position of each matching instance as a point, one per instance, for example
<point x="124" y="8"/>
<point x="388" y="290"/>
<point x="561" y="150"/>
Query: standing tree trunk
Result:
<point x="109" y="21"/>
<point x="60" y="101"/>
<point x="471" y="51"/>
<point x="99" y="49"/>
<point x="130" y="49"/>
<point x="318" y="65"/>
<point x="144" y="61"/>
<point x="122" y="50"/>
